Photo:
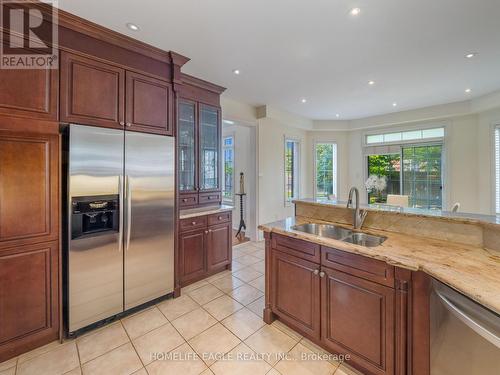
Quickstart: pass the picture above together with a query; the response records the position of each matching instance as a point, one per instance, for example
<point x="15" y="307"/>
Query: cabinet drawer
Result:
<point x="193" y="223"/>
<point x="358" y="265"/>
<point x="219" y="218"/>
<point x="209" y="198"/>
<point x="299" y="248"/>
<point x="186" y="200"/>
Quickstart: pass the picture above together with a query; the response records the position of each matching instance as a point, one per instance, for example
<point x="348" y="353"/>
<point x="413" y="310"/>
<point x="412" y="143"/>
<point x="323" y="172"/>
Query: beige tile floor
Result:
<point x="215" y="327"/>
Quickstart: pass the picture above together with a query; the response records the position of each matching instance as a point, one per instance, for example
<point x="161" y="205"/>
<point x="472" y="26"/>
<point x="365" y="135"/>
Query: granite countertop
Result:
<point x="201" y="211"/>
<point x="455" y="216"/>
<point x="473" y="271"/>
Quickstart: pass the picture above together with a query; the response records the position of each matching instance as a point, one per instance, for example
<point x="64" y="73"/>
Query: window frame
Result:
<point x="403" y="129"/>
<point x="335" y="167"/>
<point x="440" y="142"/>
<point x="296" y="195"/>
<point x="223" y="182"/>
<point x="495" y="169"/>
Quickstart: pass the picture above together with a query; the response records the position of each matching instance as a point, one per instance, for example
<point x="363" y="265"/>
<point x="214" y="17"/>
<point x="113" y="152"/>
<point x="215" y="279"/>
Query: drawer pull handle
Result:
<point x="209" y="197"/>
<point x="316" y="272"/>
<point x="184" y="200"/>
<point x="206" y="232"/>
<point x="220" y="217"/>
<point x="193" y="223"/>
<point x="321" y="274"/>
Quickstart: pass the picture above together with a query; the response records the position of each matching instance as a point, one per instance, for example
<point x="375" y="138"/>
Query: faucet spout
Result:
<point x="359" y="216"/>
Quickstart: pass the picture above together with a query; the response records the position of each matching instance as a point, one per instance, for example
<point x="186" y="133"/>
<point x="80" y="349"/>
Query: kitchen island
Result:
<point x="373" y="303"/>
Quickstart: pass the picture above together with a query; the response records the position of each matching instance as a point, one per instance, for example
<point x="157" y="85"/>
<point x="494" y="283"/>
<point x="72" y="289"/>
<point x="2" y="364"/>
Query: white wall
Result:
<point x="271" y="134"/>
<point x="468" y="158"/>
<point x="468" y="151"/>
<point x="244" y="161"/>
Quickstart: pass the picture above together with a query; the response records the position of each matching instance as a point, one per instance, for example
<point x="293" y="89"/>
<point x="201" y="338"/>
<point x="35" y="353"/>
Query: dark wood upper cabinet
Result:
<point x="218" y="243"/>
<point x="358" y="319"/>
<point x="29" y="93"/>
<point x="187" y="151"/>
<point x="148" y="104"/>
<point x="210" y="134"/>
<point x="295" y="297"/>
<point x="199" y="139"/>
<point x="29" y="188"/>
<point x="92" y="92"/>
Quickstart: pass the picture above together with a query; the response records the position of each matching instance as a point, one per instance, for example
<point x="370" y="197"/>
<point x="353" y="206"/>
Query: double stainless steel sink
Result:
<point x="341" y="234"/>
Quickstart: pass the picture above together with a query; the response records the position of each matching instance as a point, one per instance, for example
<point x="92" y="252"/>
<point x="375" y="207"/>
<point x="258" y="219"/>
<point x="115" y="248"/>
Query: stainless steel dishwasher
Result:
<point x="465" y="336"/>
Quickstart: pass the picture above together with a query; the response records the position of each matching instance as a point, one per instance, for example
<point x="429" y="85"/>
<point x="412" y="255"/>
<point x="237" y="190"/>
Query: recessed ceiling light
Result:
<point x="371" y="83"/>
<point x="468" y="91"/>
<point x="236" y="71"/>
<point x="133" y="26"/>
<point x="394" y="104"/>
<point x="471" y="55"/>
<point x="303" y="100"/>
<point x="355" y="11"/>
<point x="337" y="115"/>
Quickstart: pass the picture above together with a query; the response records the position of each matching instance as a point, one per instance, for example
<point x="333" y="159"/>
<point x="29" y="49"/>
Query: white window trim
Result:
<point x="397" y="129"/>
<point x="337" y="183"/>
<point x="494" y="127"/>
<point x="299" y="152"/>
<point x="227" y="135"/>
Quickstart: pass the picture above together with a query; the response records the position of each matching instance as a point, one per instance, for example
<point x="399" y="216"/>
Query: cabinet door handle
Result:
<point x="220" y="218"/>
<point x="206" y="232"/>
<point x="321" y="274"/>
<point x="316" y="272"/>
<point x="193" y="223"/>
<point x="184" y="200"/>
<point x="129" y="124"/>
<point x="122" y="123"/>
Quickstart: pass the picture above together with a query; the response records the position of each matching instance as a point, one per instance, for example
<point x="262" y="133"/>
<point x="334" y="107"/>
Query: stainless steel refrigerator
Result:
<point x="120" y="222"/>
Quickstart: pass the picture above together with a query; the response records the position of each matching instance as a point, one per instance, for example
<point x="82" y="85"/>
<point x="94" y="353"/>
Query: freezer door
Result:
<point x="149" y="217"/>
<point x="95" y="261"/>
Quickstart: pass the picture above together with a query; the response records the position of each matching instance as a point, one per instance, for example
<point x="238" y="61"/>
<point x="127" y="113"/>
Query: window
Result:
<point x="325" y="156"/>
<point x="421" y="176"/>
<point x="415" y="171"/>
<point x="497" y="170"/>
<point x="389" y="166"/>
<point x="228" y="162"/>
<point x="410" y="135"/>
<point x="292" y="162"/>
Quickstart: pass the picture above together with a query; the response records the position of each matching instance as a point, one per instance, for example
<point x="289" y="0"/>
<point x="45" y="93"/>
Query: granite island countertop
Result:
<point x="473" y="271"/>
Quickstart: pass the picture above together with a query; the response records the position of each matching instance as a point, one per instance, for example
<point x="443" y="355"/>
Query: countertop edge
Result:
<point x="203" y="212"/>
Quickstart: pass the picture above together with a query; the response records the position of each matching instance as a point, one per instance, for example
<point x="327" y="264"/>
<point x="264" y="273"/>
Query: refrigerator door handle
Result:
<point x="120" y="221"/>
<point x="129" y="211"/>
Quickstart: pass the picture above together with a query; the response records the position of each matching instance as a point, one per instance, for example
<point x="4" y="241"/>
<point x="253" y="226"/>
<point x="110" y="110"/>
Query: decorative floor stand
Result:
<point x="242" y="221"/>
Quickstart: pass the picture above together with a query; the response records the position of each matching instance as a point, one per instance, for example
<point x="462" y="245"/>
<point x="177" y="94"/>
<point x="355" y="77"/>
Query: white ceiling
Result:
<point x="293" y="49"/>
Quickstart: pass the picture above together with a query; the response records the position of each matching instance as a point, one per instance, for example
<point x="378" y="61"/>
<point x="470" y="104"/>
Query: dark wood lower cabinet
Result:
<point x="192" y="260"/>
<point x="204" y="249"/>
<point x="219" y="241"/>
<point x="349" y="308"/>
<point x="358" y="319"/>
<point x="29" y="297"/>
<point x="295" y="286"/>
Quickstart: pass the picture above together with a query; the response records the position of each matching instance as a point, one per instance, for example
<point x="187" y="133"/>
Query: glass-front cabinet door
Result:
<point x="187" y="146"/>
<point x="209" y="147"/>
